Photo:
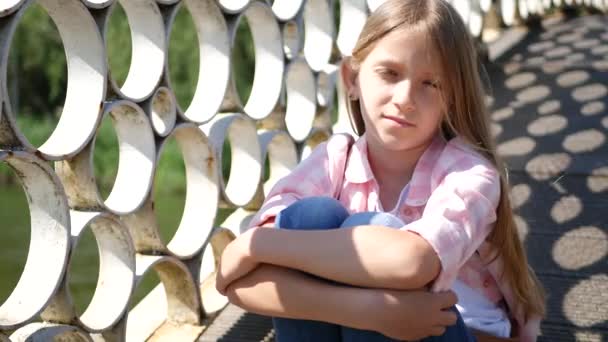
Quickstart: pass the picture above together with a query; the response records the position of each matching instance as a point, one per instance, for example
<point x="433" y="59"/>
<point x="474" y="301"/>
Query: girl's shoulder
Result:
<point x="340" y="141"/>
<point x="458" y="151"/>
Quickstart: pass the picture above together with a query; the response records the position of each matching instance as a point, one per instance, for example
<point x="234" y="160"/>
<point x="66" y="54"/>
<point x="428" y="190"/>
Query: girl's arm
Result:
<point x="457" y="218"/>
<point x="281" y="292"/>
<point x="366" y="256"/>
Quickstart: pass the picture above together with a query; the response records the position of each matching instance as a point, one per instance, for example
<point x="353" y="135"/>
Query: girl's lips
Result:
<point x="399" y="121"/>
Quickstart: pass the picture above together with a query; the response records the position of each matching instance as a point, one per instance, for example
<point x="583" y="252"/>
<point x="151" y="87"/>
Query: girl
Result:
<point x="419" y="198"/>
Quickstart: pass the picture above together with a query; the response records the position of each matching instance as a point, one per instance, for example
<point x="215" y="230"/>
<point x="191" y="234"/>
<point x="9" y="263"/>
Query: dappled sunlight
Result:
<point x="554" y="87"/>
<point x="591" y="311"/>
<point x="580" y="248"/>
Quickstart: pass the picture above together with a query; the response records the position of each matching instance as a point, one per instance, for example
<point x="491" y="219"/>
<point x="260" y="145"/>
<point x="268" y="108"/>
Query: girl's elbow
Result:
<point x="420" y="266"/>
<point x="233" y="296"/>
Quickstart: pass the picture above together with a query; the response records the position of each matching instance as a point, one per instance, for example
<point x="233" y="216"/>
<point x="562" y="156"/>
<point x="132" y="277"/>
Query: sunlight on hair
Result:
<point x="591" y="240"/>
<point x="584" y="141"/>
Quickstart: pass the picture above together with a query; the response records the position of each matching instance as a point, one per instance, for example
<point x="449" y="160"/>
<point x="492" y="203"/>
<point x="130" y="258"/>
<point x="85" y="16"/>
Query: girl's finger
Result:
<point x="446" y="318"/>
<point x="437" y="331"/>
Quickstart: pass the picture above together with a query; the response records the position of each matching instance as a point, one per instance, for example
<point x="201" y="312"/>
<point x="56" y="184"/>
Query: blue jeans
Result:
<point x="315" y="213"/>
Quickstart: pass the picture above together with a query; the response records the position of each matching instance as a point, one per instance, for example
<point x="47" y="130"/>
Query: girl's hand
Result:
<point x="236" y="262"/>
<point x="411" y="315"/>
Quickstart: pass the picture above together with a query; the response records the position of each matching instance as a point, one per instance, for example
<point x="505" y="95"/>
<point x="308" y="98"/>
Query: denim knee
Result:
<point x="373" y="218"/>
<point x="312" y="213"/>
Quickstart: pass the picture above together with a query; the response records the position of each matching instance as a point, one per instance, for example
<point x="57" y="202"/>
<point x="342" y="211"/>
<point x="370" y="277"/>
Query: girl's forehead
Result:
<point x="405" y="46"/>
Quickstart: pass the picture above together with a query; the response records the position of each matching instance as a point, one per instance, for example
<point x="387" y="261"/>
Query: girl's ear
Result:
<point x="349" y="77"/>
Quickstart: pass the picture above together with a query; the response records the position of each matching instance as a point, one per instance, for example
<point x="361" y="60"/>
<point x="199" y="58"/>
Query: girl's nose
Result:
<point x="403" y="95"/>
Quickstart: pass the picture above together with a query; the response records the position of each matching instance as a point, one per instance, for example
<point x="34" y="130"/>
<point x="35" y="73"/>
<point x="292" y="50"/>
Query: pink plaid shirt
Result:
<point x="451" y="203"/>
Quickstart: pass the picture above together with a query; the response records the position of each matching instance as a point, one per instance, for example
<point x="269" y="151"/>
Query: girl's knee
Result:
<point x="312" y="213"/>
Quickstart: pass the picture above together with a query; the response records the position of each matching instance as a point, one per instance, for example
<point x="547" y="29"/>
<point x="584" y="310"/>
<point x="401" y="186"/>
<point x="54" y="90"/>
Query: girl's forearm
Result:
<point x="280" y="292"/>
<point x="366" y="256"/>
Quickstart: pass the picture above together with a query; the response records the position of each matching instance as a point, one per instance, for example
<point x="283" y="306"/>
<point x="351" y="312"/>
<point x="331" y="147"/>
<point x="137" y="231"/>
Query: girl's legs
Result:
<point x="327" y="213"/>
<point x="309" y="214"/>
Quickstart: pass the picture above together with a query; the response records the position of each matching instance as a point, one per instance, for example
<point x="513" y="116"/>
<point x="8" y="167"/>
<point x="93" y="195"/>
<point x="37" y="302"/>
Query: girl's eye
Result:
<point x="431" y="83"/>
<point x="387" y="73"/>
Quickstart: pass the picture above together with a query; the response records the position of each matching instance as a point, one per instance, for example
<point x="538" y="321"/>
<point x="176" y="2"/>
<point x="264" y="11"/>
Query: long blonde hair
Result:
<point x="466" y="117"/>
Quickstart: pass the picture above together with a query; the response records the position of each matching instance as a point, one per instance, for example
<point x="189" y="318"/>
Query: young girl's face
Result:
<point x="399" y="88"/>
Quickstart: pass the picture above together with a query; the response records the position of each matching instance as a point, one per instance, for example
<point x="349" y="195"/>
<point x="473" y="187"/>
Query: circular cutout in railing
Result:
<point x="155" y="222"/>
<point x="135" y="165"/>
<point x="9" y="7"/>
<point x="286" y="9"/>
<point x="175" y="301"/>
<point x="292" y="38"/>
<point x="82" y="274"/>
<point x="163" y="111"/>
<point x="301" y="99"/>
<point x="148" y="47"/>
<point x="86" y="78"/>
<point x="282" y="155"/>
<point x="245" y="157"/>
<point x="326" y="86"/>
<point x="201" y="189"/>
<point x="118" y="44"/>
<point x="233" y="6"/>
<point x="49" y="239"/>
<point x="372" y="5"/>
<point x="97" y="4"/>
<point x="14" y="242"/>
<point x="316" y="137"/>
<point x="37" y="94"/>
<point x="212" y="300"/>
<point x="319" y="33"/>
<point x="50" y="332"/>
<point x="354" y="15"/>
<point x="105" y="157"/>
<point x="269" y="62"/>
<point x="116" y="269"/>
<point x="508" y="12"/>
<point x="199" y="59"/>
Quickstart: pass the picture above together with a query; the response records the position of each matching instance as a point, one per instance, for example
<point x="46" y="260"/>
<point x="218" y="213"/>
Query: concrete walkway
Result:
<point x="550" y="115"/>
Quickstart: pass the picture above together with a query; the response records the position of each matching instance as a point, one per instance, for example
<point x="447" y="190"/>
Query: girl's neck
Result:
<point x="393" y="168"/>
